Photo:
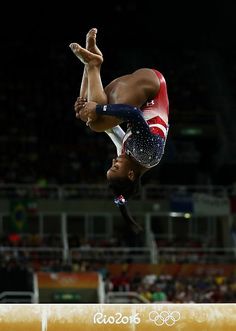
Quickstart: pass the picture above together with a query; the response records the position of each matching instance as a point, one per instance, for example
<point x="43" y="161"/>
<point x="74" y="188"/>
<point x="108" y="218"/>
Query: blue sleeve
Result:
<point x="128" y="113"/>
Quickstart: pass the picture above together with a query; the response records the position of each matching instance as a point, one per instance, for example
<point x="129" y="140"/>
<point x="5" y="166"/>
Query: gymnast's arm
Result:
<point x="134" y="89"/>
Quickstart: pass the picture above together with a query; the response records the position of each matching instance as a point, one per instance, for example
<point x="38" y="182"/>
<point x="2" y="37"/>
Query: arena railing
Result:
<point x="164" y="254"/>
<point x="33" y="253"/>
<point x="44" y="255"/>
<point x="100" y="191"/>
<point x="111" y="254"/>
<point x="197" y="254"/>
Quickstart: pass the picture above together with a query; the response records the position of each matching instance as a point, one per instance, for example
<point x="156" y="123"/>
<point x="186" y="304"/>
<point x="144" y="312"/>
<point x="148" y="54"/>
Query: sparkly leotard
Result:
<point x="147" y="129"/>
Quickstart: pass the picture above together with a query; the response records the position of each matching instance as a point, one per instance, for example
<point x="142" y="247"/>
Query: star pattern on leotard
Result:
<point x="144" y="146"/>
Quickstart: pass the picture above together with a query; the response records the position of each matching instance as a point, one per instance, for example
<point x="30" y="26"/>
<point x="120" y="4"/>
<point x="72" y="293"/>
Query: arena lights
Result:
<point x="177" y="214"/>
<point x="187" y="216"/>
<point x="194" y="131"/>
<point x="125" y="317"/>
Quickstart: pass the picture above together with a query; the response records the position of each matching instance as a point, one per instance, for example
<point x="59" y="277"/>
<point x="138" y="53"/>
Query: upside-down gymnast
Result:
<point x="140" y="99"/>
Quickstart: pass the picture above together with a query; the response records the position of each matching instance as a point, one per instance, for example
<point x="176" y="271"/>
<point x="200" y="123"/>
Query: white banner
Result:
<point x="118" y="317"/>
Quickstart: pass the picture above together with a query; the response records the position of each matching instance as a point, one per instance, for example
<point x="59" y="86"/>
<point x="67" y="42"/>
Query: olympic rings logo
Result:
<point x="164" y="317"/>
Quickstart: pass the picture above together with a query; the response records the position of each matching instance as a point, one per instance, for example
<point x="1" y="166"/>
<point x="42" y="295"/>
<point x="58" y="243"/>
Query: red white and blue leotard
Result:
<point x="147" y="129"/>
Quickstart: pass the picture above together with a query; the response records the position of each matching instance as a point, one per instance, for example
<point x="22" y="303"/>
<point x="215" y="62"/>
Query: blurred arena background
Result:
<point x="61" y="238"/>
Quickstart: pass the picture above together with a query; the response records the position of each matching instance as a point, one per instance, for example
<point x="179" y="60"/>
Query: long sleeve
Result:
<point x="128" y="113"/>
<point x="116" y="134"/>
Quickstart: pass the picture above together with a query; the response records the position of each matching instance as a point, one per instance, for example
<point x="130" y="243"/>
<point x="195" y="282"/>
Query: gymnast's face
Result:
<point x="121" y="168"/>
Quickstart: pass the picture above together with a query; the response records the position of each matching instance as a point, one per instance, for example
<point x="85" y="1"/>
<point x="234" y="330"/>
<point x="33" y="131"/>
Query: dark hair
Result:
<point x="124" y="188"/>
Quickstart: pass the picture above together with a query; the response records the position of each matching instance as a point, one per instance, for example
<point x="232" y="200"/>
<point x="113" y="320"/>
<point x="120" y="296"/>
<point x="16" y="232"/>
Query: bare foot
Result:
<point x="86" y="56"/>
<point x="90" y="55"/>
<point x="91" y="42"/>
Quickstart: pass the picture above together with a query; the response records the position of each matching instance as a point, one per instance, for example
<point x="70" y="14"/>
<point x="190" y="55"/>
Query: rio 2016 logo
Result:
<point x="118" y="318"/>
<point x="168" y="318"/>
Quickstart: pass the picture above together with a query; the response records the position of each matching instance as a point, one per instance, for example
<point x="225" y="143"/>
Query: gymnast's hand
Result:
<point x="90" y="111"/>
<point x="78" y="107"/>
<point x="86" y="111"/>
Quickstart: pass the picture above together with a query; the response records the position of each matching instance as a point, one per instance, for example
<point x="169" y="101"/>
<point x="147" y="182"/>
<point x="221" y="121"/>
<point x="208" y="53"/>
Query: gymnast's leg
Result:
<point x="91" y="85"/>
<point x="92" y="58"/>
